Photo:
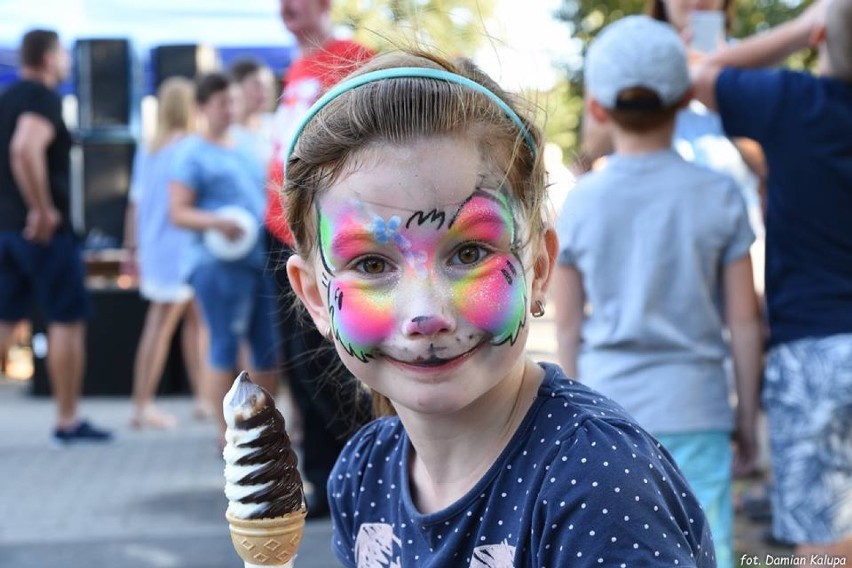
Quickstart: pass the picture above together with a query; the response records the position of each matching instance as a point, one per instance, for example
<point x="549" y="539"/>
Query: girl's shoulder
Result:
<point x="571" y="421"/>
<point x="380" y="438"/>
<point x="572" y="399"/>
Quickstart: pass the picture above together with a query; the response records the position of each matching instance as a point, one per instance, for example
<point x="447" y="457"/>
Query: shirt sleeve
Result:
<point x="43" y="103"/>
<point x="748" y="101"/>
<point x="185" y="167"/>
<point x="614" y="497"/>
<point x="741" y="235"/>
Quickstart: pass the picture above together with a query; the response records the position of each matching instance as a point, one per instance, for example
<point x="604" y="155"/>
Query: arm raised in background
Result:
<point x="569" y="299"/>
<point x="742" y="316"/>
<point x="28" y="161"/>
<point x="761" y="50"/>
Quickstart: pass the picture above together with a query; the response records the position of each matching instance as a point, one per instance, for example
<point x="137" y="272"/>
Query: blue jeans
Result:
<point x="238" y="303"/>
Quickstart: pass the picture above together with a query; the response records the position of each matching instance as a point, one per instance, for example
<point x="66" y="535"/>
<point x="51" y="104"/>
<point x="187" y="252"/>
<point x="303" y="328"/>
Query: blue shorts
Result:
<point x="51" y="275"/>
<point x="807" y="394"/>
<point x="705" y="459"/>
<point x="238" y="303"/>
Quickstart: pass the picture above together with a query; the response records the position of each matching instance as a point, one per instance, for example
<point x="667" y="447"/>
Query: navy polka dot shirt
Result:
<point x="580" y="484"/>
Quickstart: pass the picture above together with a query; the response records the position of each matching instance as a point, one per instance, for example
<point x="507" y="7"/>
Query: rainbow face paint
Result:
<point x="378" y="268"/>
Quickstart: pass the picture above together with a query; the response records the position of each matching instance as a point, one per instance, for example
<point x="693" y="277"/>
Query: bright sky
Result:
<point x="535" y="42"/>
<point x="527" y="38"/>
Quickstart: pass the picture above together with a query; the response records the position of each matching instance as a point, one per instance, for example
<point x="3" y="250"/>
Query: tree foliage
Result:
<point x="452" y="27"/>
<point x="585" y="18"/>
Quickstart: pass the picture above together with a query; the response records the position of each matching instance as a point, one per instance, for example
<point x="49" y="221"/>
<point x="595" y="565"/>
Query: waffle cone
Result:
<point x="267" y="542"/>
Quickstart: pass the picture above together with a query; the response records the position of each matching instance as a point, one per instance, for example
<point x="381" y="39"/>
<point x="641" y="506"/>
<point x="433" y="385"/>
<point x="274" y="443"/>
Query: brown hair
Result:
<point x="35" y="45"/>
<point x="402" y="110"/>
<point x="647" y="113"/>
<point x="209" y="84"/>
<point x="175" y="106"/>
<point x="244" y="68"/>
<point x="657" y="10"/>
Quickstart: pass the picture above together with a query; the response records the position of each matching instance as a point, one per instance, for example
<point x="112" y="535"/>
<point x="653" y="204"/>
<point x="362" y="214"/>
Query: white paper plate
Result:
<point x="224" y="249"/>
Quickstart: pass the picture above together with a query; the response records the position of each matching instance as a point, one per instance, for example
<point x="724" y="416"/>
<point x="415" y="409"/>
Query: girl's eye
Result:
<point x="372" y="265"/>
<point x="469" y="254"/>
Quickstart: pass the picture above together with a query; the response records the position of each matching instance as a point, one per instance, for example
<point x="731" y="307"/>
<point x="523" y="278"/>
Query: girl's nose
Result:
<point x="427" y="325"/>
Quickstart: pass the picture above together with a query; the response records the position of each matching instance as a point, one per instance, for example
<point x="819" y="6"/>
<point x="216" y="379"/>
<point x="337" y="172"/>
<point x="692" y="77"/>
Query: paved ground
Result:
<point x="148" y="500"/>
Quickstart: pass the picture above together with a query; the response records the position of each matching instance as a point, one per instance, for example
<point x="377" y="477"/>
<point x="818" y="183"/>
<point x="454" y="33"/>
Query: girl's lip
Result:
<point x="436" y="364"/>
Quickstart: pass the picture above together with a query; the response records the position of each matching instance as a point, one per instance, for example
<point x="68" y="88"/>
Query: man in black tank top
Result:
<point x="40" y="257"/>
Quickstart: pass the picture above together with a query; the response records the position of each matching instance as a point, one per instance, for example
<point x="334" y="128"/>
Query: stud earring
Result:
<point x="539" y="309"/>
<point x="328" y="333"/>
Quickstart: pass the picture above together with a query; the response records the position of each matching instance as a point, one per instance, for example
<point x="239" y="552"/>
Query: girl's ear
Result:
<point x="304" y="282"/>
<point x="543" y="265"/>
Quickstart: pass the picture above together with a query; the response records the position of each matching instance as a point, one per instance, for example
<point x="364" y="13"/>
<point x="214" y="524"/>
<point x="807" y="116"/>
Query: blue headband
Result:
<point x="405" y="72"/>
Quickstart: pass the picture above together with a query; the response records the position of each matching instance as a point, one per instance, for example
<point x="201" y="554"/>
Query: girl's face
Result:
<point x="422" y="273"/>
<point x="678" y="10"/>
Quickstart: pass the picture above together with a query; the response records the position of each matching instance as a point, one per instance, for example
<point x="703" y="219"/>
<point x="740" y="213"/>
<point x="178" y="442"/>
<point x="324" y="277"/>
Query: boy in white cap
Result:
<point x="804" y="123"/>
<point x="654" y="266"/>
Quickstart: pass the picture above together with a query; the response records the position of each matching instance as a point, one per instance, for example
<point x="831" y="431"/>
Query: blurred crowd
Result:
<point x="694" y="161"/>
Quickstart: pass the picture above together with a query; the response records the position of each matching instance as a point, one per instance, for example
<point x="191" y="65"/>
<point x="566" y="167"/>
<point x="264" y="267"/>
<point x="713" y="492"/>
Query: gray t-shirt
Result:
<point x="650" y="235"/>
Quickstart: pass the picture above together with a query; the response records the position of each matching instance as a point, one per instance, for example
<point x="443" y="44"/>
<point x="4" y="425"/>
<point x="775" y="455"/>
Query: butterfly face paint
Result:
<point x="465" y="256"/>
<point x="491" y="296"/>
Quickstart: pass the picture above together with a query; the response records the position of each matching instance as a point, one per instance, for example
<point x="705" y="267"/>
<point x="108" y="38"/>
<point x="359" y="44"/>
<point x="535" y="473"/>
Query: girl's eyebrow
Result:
<point x="346" y="239"/>
<point x="479" y="216"/>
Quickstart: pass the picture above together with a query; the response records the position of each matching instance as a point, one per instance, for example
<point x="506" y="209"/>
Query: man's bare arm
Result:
<point x="28" y="161"/>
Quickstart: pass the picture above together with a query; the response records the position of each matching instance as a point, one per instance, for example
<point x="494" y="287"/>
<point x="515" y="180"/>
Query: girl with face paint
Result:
<point x="415" y="193"/>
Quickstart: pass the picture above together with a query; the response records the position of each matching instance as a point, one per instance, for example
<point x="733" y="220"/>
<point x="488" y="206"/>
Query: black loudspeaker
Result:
<point x="103" y="76"/>
<point x="187" y="60"/>
<point x="111" y="341"/>
<point x="101" y="182"/>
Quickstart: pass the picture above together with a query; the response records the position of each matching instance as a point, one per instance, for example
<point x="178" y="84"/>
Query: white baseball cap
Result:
<point x="637" y="51"/>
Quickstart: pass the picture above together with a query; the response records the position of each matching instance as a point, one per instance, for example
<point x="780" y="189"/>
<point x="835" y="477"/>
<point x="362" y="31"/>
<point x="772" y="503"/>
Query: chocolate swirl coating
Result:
<point x="271" y="451"/>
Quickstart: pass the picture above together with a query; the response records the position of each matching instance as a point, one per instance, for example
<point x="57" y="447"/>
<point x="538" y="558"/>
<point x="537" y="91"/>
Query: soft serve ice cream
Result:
<point x="261" y="476"/>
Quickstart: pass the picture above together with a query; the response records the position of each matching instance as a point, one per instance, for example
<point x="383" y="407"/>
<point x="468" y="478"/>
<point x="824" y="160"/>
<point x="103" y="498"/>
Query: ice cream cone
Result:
<point x="267" y="542"/>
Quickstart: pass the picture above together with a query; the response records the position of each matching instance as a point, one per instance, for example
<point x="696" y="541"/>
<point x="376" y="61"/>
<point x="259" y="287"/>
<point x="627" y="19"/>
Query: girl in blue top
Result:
<point x="156" y="245"/>
<point x="415" y="193"/>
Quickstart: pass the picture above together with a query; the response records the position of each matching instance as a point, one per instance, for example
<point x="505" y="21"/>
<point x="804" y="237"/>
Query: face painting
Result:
<point x="377" y="264"/>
